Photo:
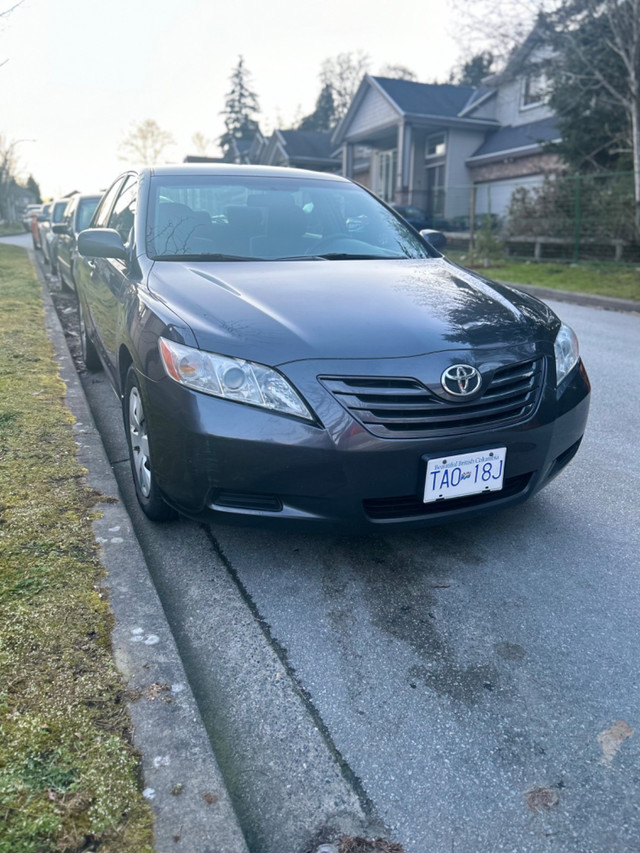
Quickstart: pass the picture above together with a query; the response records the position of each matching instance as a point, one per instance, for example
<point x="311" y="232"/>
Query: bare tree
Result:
<point x="3" y="14"/>
<point x="497" y="27"/>
<point x="398" y="72"/>
<point x="202" y="145"/>
<point x="9" y="185"/>
<point x="145" y="143"/>
<point x="596" y="67"/>
<point x="343" y="74"/>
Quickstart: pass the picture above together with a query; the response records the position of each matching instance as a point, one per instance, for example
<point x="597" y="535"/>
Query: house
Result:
<point x="452" y="149"/>
<point x="301" y="149"/>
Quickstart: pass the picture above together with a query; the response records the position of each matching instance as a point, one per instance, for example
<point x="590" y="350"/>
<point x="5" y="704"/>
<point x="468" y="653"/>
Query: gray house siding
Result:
<point x="375" y="111"/>
<point x="461" y="145"/>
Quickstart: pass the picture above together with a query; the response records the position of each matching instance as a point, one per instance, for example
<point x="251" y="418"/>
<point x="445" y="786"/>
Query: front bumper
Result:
<point x="212" y="456"/>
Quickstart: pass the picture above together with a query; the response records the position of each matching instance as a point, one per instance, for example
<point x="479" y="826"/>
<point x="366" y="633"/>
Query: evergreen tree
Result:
<point x="33" y="188"/>
<point x="323" y="118"/>
<point x="475" y="69"/>
<point x="240" y="106"/>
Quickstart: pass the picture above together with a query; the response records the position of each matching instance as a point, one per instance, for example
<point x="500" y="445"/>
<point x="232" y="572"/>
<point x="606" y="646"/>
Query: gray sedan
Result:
<point x="286" y="347"/>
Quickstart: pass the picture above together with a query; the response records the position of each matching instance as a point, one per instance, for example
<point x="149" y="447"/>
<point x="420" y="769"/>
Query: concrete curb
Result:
<point x="183" y="783"/>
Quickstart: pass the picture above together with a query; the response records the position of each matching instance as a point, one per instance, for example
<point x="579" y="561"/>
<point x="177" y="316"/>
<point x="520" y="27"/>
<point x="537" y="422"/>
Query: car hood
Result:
<point x="277" y="312"/>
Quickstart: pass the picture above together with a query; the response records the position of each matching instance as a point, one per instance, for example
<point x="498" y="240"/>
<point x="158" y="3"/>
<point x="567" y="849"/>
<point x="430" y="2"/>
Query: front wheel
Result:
<point x="135" y="421"/>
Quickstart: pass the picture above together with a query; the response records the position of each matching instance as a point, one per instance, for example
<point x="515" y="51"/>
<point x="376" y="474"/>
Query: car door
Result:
<point x="90" y="274"/>
<point x="64" y="241"/>
<point x="112" y="274"/>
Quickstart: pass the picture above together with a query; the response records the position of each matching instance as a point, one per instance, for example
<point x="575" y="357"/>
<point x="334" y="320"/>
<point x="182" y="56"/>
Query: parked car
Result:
<point x="273" y="364"/>
<point x="26" y="217"/>
<point x="36" y="219"/>
<point x="413" y="215"/>
<point x="77" y="216"/>
<point x="48" y="238"/>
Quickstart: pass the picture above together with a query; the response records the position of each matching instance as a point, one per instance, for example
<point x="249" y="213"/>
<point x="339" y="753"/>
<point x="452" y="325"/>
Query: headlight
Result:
<point x="567" y="352"/>
<point x="231" y="378"/>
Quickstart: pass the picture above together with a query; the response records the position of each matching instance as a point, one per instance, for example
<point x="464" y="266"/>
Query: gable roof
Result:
<point x="429" y="99"/>
<point x="517" y="138"/>
<point x="307" y="143"/>
<point x="423" y="103"/>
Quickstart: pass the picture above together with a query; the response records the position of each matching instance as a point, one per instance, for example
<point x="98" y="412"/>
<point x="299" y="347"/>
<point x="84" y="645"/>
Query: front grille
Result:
<point x="405" y="408"/>
<point x="410" y="506"/>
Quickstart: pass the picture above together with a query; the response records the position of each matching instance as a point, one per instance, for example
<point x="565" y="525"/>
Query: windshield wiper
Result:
<point x="342" y="256"/>
<point x="206" y="256"/>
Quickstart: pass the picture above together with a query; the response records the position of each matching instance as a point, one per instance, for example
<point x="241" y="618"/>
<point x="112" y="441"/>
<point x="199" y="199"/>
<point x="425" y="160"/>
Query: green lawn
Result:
<point x="11" y="229"/>
<point x="608" y="279"/>
<point x="69" y="778"/>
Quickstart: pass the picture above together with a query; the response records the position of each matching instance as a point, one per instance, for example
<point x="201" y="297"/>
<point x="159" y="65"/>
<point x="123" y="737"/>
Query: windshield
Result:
<point x="222" y="217"/>
<point x="86" y="207"/>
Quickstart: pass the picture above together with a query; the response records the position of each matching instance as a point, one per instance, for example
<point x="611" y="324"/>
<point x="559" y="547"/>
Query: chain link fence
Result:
<point x="569" y="218"/>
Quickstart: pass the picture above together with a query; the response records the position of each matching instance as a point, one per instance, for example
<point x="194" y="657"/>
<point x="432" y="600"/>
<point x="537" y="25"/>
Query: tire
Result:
<point x="64" y="284"/>
<point x="90" y="355"/>
<point x="147" y="491"/>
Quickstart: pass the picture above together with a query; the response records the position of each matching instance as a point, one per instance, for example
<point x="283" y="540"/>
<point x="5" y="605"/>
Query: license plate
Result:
<point x="465" y="474"/>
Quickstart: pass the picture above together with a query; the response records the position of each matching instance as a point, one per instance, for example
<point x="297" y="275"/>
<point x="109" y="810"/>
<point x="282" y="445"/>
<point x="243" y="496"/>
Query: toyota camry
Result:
<point x="286" y="346"/>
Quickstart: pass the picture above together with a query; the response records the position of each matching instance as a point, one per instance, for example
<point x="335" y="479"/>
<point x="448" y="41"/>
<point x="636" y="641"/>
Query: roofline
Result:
<point x="454" y="121"/>
<point x="532" y="148"/>
<point x="477" y="103"/>
<point x="418" y="120"/>
<point x="367" y="81"/>
<point x="387" y="95"/>
<point x="310" y="158"/>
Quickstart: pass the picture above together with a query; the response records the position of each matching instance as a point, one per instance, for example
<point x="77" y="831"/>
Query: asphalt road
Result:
<point x="474" y="686"/>
<point x="465" y="676"/>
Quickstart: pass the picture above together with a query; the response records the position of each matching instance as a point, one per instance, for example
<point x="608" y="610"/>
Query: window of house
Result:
<point x="534" y="89"/>
<point x="436" y="145"/>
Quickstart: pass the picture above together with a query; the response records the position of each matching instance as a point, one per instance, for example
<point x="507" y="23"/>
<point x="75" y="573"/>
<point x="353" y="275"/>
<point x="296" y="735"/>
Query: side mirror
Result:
<point x="102" y="243"/>
<point x="435" y="238"/>
<point x="60" y="228"/>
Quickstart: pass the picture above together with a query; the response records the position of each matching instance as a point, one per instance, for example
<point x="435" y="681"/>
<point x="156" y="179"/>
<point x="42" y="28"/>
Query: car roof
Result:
<point x="232" y="169"/>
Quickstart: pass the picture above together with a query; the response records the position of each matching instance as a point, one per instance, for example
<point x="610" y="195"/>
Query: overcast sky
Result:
<point x="79" y="73"/>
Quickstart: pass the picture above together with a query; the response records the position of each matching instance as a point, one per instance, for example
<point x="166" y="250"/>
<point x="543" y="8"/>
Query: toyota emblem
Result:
<point x="461" y="380"/>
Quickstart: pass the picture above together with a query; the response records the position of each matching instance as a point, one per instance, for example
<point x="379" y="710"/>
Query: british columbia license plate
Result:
<point x="465" y="474"/>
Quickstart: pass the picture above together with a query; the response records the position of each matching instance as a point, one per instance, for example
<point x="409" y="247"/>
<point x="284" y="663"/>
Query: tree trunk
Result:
<point x="635" y="136"/>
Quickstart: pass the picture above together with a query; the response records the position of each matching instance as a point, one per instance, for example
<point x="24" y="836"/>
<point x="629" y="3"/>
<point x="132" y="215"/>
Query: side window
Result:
<point x="68" y="211"/>
<point x="124" y="210"/>
<point x="104" y="208"/>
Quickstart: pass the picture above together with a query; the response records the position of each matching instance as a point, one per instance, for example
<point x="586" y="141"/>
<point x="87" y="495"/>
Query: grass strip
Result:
<point x="621" y="281"/>
<point x="69" y="777"/>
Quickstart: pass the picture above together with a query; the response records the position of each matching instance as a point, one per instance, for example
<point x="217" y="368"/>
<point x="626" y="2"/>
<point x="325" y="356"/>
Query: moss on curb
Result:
<point x="69" y="777"/>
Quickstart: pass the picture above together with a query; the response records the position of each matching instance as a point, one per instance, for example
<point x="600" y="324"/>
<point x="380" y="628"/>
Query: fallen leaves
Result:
<point x="611" y="740"/>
